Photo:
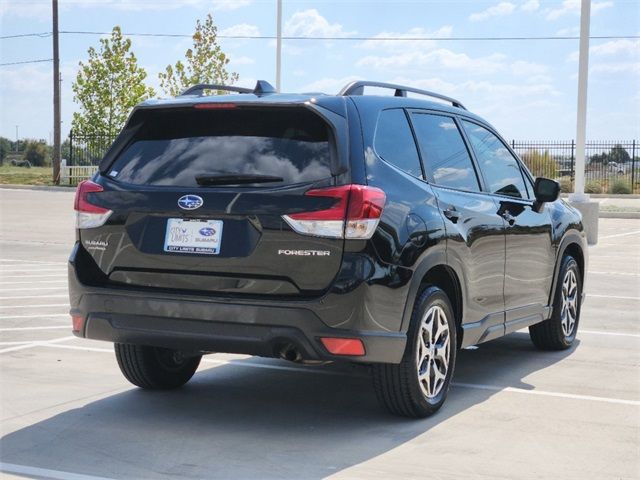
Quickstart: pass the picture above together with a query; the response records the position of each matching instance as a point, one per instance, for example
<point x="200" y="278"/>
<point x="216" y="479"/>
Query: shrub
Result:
<point x="566" y="185"/>
<point x="593" y="186"/>
<point x="540" y="164"/>
<point x="619" y="187"/>
<point x="37" y="153"/>
<point x="20" y="163"/>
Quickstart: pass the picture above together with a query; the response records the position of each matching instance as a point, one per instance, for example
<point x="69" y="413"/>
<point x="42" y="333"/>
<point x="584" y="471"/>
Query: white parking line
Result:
<point x="31" y="261"/>
<point x="617" y="297"/>
<point x="25" y="329"/>
<point x="479" y="386"/>
<point x="59" y="275"/>
<point x="35" y="296"/>
<point x="36" y="344"/>
<point x="36" y="306"/>
<point x="616" y="334"/>
<point x="21" y="289"/>
<point x="635" y="232"/>
<point x="43" y="316"/>
<point x="21" y="269"/>
<point x="35" y="282"/>
<point x="37" y="472"/>
<point x="497" y="388"/>
<point x="625" y="274"/>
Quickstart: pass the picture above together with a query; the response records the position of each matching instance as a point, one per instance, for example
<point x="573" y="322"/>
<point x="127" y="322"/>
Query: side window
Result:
<point x="394" y="142"/>
<point x="446" y="159"/>
<point x="499" y="168"/>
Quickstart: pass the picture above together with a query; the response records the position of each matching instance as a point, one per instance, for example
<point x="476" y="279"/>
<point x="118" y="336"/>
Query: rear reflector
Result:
<point x="355" y="213"/>
<point x="78" y="322"/>
<point x="343" y="346"/>
<point x="89" y="215"/>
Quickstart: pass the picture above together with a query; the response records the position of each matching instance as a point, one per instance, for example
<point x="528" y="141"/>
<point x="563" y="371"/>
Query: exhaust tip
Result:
<point x="291" y="353"/>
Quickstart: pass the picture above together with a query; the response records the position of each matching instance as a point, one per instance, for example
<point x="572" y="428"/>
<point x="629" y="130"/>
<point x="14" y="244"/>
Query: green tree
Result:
<point x="205" y="62"/>
<point x="6" y="146"/>
<point x="540" y="164"/>
<point x="619" y="155"/>
<point x="37" y="153"/>
<point x="108" y="86"/>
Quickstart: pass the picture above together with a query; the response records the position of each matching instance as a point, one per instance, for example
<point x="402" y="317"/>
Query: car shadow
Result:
<point x="240" y="420"/>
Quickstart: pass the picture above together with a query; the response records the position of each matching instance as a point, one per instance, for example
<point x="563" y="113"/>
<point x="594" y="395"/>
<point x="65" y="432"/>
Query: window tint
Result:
<point x="446" y="159"/>
<point x="174" y="146"/>
<point x="394" y="142"/>
<point x="499" y="168"/>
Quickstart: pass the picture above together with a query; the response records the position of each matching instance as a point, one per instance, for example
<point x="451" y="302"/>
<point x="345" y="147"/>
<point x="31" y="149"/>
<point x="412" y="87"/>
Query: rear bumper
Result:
<point x="218" y="324"/>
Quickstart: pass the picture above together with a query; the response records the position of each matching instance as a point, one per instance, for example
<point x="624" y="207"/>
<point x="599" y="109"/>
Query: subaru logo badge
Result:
<point x="190" y="202"/>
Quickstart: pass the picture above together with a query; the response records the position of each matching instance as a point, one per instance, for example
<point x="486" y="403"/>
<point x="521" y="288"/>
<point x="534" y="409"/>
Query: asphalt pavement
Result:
<point x="513" y="412"/>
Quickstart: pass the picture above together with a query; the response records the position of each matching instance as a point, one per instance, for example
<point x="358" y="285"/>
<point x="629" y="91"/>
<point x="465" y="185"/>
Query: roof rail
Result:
<point x="261" y="88"/>
<point x="357" y="88"/>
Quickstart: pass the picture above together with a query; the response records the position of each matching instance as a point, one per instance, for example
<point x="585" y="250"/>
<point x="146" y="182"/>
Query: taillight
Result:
<point x="89" y="215"/>
<point x="354" y="214"/>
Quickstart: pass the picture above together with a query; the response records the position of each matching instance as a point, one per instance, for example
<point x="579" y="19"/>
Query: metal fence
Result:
<point x="610" y="167"/>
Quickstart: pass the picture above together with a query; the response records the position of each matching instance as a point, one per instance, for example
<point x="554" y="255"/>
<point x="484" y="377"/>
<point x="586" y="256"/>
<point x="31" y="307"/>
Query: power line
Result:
<point x="359" y="38"/>
<point x="26" y="61"/>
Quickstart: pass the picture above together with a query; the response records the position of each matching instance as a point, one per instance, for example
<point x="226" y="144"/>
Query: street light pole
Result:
<point x="278" y="44"/>
<point x="583" y="75"/>
<point x="56" y="96"/>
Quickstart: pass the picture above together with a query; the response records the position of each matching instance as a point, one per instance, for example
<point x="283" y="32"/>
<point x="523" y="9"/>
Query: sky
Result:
<point x="526" y="89"/>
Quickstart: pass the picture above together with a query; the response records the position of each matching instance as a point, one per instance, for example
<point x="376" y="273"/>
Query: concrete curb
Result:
<point x="46" y="188"/>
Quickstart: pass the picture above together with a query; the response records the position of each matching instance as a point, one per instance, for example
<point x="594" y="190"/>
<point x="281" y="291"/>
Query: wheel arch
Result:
<point x="574" y="244"/>
<point x="435" y="271"/>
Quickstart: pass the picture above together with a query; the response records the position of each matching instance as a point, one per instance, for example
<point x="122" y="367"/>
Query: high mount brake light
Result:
<point x="354" y="215"/>
<point x="214" y="106"/>
<point x="89" y="215"/>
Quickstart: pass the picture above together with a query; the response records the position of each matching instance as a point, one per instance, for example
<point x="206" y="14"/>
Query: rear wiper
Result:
<point x="236" y="179"/>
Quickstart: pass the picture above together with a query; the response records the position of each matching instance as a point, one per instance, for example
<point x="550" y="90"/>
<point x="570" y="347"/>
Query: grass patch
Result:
<point x="25" y="176"/>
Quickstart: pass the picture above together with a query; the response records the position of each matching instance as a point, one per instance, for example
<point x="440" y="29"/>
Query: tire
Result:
<point x="398" y="387"/>
<point x="559" y="331"/>
<point x="155" y="368"/>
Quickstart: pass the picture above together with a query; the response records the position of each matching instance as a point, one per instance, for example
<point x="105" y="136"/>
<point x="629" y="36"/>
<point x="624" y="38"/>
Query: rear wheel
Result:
<point x="559" y="332"/>
<point x="418" y="386"/>
<point x="155" y="368"/>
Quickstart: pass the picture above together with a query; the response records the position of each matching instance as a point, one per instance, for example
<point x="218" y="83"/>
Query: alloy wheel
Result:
<point x="569" y="307"/>
<point x="432" y="354"/>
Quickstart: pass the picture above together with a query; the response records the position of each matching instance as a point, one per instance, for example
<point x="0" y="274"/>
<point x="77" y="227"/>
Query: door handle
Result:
<point x="452" y="214"/>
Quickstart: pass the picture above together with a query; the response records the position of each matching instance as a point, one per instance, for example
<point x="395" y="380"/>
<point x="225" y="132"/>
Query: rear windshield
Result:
<point x="173" y="147"/>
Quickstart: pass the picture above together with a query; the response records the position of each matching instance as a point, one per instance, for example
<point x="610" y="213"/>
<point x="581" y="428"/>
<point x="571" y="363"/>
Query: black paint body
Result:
<point x="249" y="299"/>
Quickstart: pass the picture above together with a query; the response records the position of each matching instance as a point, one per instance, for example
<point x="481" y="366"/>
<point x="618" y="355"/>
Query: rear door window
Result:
<point x="394" y="142"/>
<point x="500" y="169"/>
<point x="174" y="146"/>
<point x="444" y="153"/>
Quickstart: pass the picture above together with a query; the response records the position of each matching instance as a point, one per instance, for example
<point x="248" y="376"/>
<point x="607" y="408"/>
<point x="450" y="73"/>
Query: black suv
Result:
<point x="386" y="230"/>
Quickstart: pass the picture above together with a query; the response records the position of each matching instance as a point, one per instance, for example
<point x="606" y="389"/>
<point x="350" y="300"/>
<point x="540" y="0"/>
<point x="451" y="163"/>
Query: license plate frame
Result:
<point x="193" y="236"/>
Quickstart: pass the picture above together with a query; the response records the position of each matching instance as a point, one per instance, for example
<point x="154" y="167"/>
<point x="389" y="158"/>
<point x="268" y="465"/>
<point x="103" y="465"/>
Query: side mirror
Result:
<point x="546" y="190"/>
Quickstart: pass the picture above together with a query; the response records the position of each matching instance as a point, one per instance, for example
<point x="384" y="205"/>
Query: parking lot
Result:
<point x="513" y="412"/>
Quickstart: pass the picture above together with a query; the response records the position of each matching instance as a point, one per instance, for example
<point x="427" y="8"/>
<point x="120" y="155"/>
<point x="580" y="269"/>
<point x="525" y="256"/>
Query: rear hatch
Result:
<point x="197" y="196"/>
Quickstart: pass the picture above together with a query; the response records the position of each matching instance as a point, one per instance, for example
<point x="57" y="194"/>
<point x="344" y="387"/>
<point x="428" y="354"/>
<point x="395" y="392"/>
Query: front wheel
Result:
<point x="155" y="368"/>
<point x="559" y="332"/>
<point x="418" y="385"/>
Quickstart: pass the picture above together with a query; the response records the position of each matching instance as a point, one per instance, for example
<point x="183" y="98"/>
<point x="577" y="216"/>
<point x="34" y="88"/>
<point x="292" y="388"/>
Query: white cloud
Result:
<point x="616" y="46"/>
<point x="228" y="5"/>
<point x="242" y="60"/>
<point x="530" y="6"/>
<point x="413" y="33"/>
<point x="568" y="32"/>
<point x="309" y="23"/>
<point x="573" y="7"/>
<point x="37" y="11"/>
<point x="441" y="57"/>
<point x="616" y="67"/>
<point x="498" y="10"/>
<point x="328" y="84"/>
<point x="523" y="68"/>
<point x="240" y="30"/>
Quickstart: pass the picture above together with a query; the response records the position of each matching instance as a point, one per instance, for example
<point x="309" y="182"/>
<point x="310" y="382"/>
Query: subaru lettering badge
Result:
<point x="190" y="202"/>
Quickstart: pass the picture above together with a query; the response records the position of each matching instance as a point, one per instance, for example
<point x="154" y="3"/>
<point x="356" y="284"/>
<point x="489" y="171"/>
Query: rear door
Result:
<point x="530" y="254"/>
<point x="198" y="196"/>
<point x="475" y="231"/>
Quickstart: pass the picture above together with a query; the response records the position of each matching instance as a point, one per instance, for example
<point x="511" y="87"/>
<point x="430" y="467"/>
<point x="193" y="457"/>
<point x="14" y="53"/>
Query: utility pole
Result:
<point x="578" y="198"/>
<point x="278" y="43"/>
<point x="56" y="96"/>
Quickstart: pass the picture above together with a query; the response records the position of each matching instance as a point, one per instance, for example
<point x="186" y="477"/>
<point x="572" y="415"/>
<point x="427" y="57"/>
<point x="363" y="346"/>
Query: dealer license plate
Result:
<point x="185" y="235"/>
